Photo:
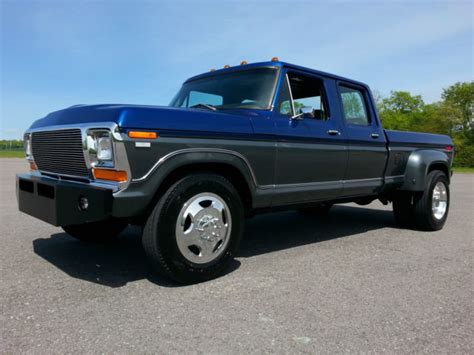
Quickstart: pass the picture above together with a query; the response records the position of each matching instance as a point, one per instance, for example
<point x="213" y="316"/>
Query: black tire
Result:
<point x="425" y="219"/>
<point x="319" y="210"/>
<point x="98" y="232"/>
<point x="415" y="210"/>
<point x="159" y="235"/>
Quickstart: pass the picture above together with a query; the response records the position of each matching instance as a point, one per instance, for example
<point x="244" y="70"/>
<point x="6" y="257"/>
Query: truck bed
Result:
<point x="416" y="139"/>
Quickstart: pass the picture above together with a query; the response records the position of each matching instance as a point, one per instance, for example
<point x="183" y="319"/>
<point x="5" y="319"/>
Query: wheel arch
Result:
<point x="233" y="167"/>
<point x="420" y="164"/>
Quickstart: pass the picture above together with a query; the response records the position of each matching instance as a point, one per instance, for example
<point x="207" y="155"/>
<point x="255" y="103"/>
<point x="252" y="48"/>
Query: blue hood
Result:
<point x="154" y="117"/>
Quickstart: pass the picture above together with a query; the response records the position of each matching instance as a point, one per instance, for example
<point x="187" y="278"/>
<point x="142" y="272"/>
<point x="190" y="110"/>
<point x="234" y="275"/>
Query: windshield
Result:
<point x="247" y="89"/>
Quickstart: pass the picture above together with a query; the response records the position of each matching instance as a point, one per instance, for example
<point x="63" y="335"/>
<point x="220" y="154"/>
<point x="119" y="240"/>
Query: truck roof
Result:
<point x="277" y="64"/>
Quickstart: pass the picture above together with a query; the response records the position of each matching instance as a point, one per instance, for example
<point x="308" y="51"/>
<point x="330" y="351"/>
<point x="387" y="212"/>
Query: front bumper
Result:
<point x="57" y="201"/>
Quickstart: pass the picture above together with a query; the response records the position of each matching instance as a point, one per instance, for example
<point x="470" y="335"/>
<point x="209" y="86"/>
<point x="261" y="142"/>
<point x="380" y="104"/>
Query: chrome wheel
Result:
<point x="203" y="228"/>
<point x="439" y="201"/>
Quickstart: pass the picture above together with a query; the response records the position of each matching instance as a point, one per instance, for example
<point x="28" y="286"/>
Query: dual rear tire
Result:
<point x="426" y="210"/>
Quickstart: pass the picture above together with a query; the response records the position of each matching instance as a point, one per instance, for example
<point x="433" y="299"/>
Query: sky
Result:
<point x="54" y="54"/>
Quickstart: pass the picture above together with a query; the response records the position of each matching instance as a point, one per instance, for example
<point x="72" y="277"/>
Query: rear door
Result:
<point x="311" y="149"/>
<point x="366" y="141"/>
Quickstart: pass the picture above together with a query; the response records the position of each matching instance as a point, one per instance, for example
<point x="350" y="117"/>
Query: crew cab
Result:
<point x="232" y="143"/>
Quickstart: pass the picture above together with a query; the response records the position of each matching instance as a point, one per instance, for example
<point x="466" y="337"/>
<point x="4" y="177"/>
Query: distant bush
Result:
<point x="11" y="144"/>
<point x="464" y="154"/>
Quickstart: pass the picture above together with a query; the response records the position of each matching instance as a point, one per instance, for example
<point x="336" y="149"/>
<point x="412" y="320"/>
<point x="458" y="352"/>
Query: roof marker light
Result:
<point x="244" y="62"/>
<point x="275" y="59"/>
<point x="226" y="66"/>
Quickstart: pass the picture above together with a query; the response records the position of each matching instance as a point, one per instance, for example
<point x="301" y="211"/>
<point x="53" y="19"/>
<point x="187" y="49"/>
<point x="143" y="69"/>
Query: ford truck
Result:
<point x="232" y="143"/>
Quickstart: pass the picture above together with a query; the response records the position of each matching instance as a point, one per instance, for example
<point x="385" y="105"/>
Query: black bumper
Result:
<point x="57" y="201"/>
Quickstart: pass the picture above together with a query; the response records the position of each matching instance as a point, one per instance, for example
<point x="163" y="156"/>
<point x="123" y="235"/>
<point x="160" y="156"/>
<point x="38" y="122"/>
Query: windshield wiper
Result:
<point x="209" y="107"/>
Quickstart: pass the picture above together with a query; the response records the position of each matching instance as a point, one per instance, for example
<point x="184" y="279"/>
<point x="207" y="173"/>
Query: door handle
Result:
<point x="374" y="135"/>
<point x="334" y="132"/>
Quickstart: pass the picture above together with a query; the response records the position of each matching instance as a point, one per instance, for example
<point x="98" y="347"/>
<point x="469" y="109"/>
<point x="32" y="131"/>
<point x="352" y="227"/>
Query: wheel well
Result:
<point x="439" y="166"/>
<point x="228" y="171"/>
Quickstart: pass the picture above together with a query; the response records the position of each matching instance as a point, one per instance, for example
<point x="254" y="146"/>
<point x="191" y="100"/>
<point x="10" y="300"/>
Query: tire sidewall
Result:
<point x="166" y="226"/>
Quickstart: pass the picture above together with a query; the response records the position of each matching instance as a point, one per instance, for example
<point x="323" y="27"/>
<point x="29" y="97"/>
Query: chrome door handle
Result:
<point x="374" y="135"/>
<point x="334" y="132"/>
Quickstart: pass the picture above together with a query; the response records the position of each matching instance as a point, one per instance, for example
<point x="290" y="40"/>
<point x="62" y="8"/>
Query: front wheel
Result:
<point x="99" y="232"/>
<point x="194" y="231"/>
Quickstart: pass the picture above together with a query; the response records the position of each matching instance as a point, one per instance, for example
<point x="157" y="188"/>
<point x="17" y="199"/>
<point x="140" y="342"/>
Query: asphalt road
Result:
<point x="352" y="282"/>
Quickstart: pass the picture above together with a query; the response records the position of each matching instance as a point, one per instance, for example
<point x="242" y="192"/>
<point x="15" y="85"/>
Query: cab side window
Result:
<point x="308" y="93"/>
<point x="354" y="107"/>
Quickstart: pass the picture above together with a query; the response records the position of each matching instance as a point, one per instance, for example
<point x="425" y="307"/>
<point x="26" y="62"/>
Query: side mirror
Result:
<point x="305" y="111"/>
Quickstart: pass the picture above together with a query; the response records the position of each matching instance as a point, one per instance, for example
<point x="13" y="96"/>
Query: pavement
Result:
<point x="351" y="282"/>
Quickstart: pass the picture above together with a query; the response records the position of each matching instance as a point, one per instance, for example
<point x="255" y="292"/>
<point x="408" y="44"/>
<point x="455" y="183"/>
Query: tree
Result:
<point x="452" y="116"/>
<point x="402" y="102"/>
<point x="461" y="97"/>
<point x="400" y="110"/>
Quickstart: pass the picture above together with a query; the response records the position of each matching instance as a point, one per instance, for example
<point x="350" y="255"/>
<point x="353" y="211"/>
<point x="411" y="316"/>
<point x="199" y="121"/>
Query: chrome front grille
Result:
<point x="59" y="152"/>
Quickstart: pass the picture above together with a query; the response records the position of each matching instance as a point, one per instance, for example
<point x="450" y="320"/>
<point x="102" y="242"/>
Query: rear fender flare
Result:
<point x="418" y="166"/>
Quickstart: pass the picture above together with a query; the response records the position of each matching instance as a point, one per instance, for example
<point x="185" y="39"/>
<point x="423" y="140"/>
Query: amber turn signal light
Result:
<point x="33" y="166"/>
<point x="142" y="135"/>
<point x="111" y="175"/>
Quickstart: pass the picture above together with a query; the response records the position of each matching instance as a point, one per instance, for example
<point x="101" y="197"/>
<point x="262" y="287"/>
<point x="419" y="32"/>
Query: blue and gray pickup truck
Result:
<point x="232" y="143"/>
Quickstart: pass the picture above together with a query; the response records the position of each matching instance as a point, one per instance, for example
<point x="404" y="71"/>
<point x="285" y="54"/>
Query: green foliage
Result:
<point x="461" y="96"/>
<point x="11" y="145"/>
<point x="452" y="116"/>
<point x="402" y="102"/>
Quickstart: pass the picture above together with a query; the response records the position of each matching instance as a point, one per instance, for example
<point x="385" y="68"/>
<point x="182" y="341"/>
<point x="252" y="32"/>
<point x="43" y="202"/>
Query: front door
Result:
<point x="311" y="148"/>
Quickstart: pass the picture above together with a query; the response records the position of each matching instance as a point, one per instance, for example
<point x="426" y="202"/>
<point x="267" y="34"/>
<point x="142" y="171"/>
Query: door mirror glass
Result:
<point x="306" y="110"/>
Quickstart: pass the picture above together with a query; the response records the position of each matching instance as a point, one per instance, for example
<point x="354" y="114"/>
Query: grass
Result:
<point x="12" y="154"/>
<point x="464" y="170"/>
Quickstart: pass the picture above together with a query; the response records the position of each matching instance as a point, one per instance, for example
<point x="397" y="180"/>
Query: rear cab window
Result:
<point x="354" y="105"/>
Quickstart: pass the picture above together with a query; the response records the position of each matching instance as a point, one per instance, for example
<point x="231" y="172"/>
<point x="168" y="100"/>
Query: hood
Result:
<point x="153" y="117"/>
